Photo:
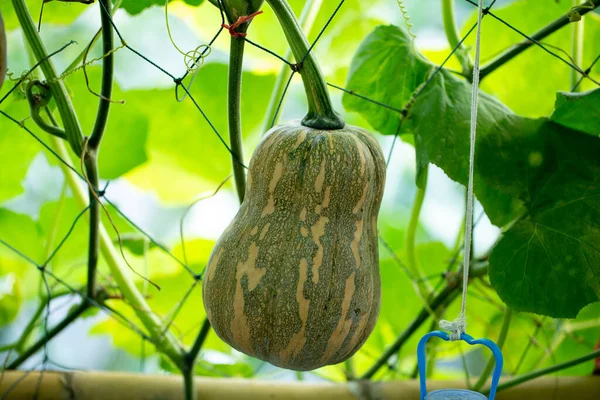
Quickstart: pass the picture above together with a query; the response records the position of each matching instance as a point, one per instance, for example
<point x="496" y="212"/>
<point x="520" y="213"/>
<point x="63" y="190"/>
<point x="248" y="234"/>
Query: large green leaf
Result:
<point x="549" y="262"/>
<point x="523" y="167"/>
<point x="385" y="59"/>
<point x="580" y="111"/>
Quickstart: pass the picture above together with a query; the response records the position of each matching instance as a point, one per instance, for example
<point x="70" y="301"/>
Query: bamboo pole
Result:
<point x="110" y="385"/>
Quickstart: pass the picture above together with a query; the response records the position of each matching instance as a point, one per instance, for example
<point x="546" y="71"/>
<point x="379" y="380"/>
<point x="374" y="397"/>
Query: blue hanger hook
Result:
<point x="466" y="394"/>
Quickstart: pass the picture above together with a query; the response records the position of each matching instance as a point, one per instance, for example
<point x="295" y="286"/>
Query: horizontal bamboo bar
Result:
<point x="110" y="385"/>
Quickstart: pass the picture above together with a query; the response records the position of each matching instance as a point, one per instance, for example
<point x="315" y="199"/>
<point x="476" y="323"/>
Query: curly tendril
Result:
<point x="192" y="59"/>
<point x="406" y="18"/>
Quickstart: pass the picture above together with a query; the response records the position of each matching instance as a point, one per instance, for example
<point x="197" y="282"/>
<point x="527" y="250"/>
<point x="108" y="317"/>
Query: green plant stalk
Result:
<point x="200" y="339"/>
<point x="238" y="8"/>
<point x="91" y="168"/>
<point x="307" y="20"/>
<point x="545" y="371"/>
<point x="577" y="37"/>
<point x="411" y="238"/>
<point x="165" y="343"/>
<point x="108" y="67"/>
<point x="93" y="146"/>
<point x="72" y="316"/>
<point x="451" y="31"/>
<point x="59" y="92"/>
<point x="321" y="114"/>
<point x="19" y="344"/>
<point x="234" y="100"/>
<point x="492" y="361"/>
<point x="29" y="328"/>
<point x="349" y="369"/>
<point x="445" y="297"/>
<point x="517" y="49"/>
<point x="189" y="386"/>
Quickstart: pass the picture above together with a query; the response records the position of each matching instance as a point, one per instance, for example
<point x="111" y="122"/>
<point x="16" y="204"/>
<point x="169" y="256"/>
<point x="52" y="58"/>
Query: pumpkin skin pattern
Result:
<point x="294" y="279"/>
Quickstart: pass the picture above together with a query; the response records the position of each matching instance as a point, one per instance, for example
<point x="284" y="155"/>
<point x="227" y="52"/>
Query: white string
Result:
<point x="459" y="325"/>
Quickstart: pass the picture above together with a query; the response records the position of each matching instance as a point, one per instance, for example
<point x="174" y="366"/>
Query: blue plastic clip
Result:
<point x="457" y="394"/>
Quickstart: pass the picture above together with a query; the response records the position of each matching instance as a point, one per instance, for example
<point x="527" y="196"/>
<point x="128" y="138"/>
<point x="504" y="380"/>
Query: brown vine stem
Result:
<point x="445" y="297"/>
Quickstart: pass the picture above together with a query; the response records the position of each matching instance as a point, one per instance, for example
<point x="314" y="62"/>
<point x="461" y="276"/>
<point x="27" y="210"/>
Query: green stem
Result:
<point x="321" y="114"/>
<point x="59" y="92"/>
<point x="91" y="156"/>
<point x="200" y="339"/>
<point x="29" y="328"/>
<point x="91" y="167"/>
<point x="349" y="369"/>
<point x="189" y="386"/>
<point x="108" y="66"/>
<point x="72" y="316"/>
<point x="451" y="30"/>
<point x="234" y="99"/>
<point x="307" y="19"/>
<point x="411" y="238"/>
<point x="165" y="342"/>
<point x="492" y="361"/>
<point x="444" y="298"/>
<point x="577" y="37"/>
<point x="555" y="368"/>
<point x="517" y="49"/>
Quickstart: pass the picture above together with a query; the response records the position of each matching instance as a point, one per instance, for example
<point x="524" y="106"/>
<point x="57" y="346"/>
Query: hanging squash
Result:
<point x="294" y="280"/>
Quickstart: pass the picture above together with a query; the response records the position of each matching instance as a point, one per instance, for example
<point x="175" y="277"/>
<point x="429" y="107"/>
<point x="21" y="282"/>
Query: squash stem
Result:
<point x="321" y="114"/>
<point x="424" y="287"/>
<point x="236" y="56"/>
<point x="307" y="19"/>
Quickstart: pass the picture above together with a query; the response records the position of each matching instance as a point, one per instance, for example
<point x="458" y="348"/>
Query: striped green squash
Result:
<point x="294" y="279"/>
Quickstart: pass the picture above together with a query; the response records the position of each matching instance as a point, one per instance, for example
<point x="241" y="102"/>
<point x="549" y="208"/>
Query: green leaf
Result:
<point x="134" y="7"/>
<point x="441" y="124"/>
<point x="386" y="69"/>
<point x="549" y="262"/>
<point x="580" y="111"/>
<point x="17" y="149"/>
<point x="524" y="166"/>
<point x="23" y="234"/>
<point x="54" y="12"/>
<point x="10" y="298"/>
